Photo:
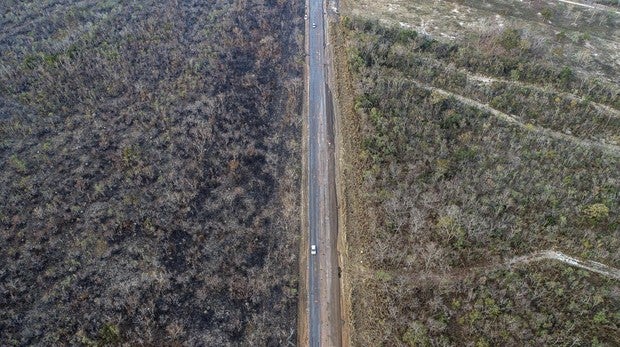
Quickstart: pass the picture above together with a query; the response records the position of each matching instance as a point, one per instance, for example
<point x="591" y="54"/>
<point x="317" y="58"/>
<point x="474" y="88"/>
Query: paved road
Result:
<point x="323" y="284"/>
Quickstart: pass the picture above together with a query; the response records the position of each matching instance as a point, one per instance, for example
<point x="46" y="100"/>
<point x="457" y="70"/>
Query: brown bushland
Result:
<point x="441" y="191"/>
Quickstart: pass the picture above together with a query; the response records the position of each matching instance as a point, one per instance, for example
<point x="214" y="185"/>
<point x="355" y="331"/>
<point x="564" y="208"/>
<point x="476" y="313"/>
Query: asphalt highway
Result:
<point x="323" y="284"/>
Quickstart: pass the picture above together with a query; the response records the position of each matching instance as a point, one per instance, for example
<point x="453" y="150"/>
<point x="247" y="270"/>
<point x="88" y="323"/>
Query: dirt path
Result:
<point x="589" y="265"/>
<point x="599" y="7"/>
<point x="430" y="277"/>
<point x="608" y="148"/>
<point x="488" y="80"/>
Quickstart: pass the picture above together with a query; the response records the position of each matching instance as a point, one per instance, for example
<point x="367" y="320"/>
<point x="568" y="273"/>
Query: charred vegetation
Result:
<point x="150" y="172"/>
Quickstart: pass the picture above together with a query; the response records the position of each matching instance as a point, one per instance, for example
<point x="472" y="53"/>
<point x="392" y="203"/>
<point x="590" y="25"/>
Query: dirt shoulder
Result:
<point x="347" y="176"/>
<point x="302" y="310"/>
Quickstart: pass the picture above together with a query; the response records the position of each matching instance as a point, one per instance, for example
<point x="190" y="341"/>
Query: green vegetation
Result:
<point x="17" y="163"/>
<point x="596" y="212"/>
<point x="150" y="172"/>
<point x="468" y="156"/>
<point x="510" y="39"/>
<point x="109" y="335"/>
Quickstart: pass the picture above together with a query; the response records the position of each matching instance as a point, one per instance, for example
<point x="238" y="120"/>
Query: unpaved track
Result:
<point x="489" y="79"/>
<point x="607" y="148"/>
<point x="459" y="274"/>
<point x="597" y="7"/>
<point x="589" y="265"/>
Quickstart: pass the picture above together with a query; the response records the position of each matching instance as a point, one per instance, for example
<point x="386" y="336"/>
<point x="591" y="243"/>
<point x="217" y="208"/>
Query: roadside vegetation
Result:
<point x="149" y="190"/>
<point x="462" y="155"/>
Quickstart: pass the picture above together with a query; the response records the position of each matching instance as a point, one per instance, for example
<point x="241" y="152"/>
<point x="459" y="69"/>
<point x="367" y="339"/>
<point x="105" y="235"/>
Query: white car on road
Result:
<point x="313" y="249"/>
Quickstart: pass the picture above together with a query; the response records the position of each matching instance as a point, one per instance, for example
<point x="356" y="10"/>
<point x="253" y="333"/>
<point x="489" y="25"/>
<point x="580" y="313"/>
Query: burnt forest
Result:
<point x="150" y="172"/>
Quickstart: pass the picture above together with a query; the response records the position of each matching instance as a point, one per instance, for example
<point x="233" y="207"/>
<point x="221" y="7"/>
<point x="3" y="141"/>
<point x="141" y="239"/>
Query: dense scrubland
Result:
<point x="462" y="155"/>
<point x="150" y="172"/>
<point x="558" y="32"/>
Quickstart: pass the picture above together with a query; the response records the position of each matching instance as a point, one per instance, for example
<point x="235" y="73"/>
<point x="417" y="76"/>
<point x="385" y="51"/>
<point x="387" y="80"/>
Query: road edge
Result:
<point x="302" y="293"/>
<point x="336" y="79"/>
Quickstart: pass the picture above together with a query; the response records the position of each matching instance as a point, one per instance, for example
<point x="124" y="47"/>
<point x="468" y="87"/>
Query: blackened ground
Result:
<point x="150" y="169"/>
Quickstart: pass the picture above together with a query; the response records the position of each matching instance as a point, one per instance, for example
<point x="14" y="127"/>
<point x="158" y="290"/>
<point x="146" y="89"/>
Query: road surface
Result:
<point x="323" y="284"/>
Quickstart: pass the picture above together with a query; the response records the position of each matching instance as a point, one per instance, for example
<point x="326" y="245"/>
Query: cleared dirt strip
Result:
<point x="589" y="265"/>
<point x="608" y="148"/>
<point x="602" y="8"/>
